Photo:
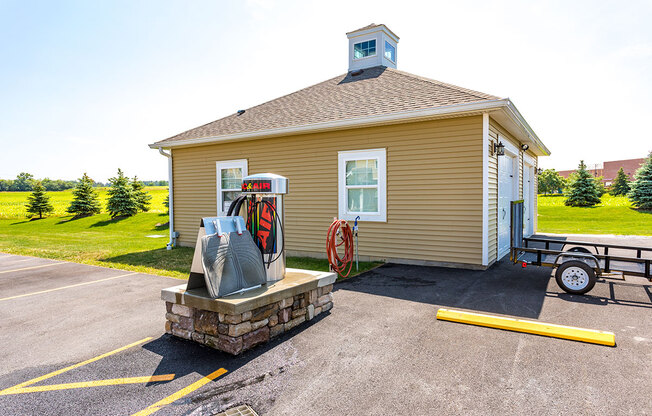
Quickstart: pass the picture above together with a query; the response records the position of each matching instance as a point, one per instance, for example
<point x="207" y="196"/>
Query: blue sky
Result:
<point x="86" y="85"/>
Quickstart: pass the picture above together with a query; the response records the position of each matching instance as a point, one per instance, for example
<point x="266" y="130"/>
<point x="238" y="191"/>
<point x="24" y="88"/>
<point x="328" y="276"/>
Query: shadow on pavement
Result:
<point x="183" y="357"/>
<point x="504" y="288"/>
<point x="612" y="299"/>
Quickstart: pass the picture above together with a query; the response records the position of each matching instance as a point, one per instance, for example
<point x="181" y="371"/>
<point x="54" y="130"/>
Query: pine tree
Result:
<point x="167" y="201"/>
<point x="582" y="192"/>
<point x="38" y="202"/>
<point x="621" y="184"/>
<point x="85" y="200"/>
<point x="121" y="202"/>
<point x="641" y="188"/>
<point x="140" y="195"/>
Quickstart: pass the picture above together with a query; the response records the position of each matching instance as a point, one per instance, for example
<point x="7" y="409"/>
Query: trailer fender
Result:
<point x="586" y="258"/>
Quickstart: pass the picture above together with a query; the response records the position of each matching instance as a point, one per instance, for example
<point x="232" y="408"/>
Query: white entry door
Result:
<point x="528" y="200"/>
<point x="507" y="179"/>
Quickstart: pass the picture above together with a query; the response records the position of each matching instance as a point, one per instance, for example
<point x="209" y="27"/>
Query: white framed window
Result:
<point x="364" y="49"/>
<point x="362" y="185"/>
<point x="390" y="52"/>
<point x="229" y="182"/>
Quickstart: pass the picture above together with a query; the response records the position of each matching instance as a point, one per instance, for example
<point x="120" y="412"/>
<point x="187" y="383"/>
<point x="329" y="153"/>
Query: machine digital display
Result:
<point x="256" y="185"/>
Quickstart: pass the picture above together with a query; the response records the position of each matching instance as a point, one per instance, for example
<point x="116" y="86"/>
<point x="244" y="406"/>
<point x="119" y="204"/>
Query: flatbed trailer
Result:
<point x="578" y="264"/>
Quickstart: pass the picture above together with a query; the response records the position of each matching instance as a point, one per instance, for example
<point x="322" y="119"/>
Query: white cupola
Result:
<point x="370" y="46"/>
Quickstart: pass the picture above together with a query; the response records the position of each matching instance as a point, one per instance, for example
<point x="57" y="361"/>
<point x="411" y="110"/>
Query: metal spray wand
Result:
<point x="355" y="233"/>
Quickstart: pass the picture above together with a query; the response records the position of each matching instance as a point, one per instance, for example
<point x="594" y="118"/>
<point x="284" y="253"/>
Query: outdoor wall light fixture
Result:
<point x="499" y="149"/>
<point x="525" y="147"/>
<point x="539" y="171"/>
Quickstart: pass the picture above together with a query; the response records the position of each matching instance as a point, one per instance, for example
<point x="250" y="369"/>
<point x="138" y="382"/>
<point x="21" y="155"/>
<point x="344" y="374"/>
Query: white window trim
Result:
<point x="368" y="56"/>
<point x="226" y="164"/>
<point x="343" y="157"/>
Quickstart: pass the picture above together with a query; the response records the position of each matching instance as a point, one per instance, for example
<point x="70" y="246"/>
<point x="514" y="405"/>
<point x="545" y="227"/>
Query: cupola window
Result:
<point x="390" y="52"/>
<point x="364" y="49"/>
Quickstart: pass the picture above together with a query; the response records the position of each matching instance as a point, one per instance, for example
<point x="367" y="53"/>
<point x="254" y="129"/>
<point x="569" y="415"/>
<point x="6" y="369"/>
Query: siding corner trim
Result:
<point x="485" y="189"/>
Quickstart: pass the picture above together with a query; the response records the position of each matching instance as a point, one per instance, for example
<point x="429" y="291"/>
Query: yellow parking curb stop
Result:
<point x="531" y="327"/>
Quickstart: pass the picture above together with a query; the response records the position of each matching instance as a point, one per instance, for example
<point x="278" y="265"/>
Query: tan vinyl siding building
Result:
<point x="437" y="155"/>
<point x="434" y="188"/>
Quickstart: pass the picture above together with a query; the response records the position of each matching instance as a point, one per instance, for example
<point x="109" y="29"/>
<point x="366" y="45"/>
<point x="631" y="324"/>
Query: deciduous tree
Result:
<point x="550" y="181"/>
<point x="24" y="182"/>
<point x="599" y="185"/>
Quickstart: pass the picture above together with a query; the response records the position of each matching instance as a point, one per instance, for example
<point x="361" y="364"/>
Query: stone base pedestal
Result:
<point x="237" y="323"/>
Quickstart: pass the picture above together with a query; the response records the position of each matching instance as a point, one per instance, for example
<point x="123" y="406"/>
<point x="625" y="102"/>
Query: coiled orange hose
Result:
<point x="340" y="230"/>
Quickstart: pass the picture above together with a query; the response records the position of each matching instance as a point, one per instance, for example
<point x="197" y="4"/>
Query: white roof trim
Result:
<point x="515" y="114"/>
<point x="404" y="116"/>
<point x="378" y="28"/>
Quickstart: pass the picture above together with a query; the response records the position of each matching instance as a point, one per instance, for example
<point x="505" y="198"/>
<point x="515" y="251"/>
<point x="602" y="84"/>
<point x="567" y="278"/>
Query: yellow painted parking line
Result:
<point x="531" y="327"/>
<point x="94" y="383"/>
<point x="66" y="287"/>
<point x="72" y="367"/>
<point x="183" y="392"/>
<point x="33" y="267"/>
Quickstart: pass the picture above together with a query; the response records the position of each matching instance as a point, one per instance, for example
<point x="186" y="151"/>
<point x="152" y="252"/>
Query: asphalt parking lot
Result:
<point x="88" y="340"/>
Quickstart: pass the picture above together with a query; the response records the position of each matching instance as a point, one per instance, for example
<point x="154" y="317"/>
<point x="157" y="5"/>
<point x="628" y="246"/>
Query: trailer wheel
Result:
<point x="575" y="277"/>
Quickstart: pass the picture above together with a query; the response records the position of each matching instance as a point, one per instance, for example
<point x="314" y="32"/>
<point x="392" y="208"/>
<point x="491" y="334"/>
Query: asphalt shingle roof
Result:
<point x="377" y="91"/>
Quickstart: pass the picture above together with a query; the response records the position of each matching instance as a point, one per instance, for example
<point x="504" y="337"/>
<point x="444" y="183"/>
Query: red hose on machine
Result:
<point x="340" y="234"/>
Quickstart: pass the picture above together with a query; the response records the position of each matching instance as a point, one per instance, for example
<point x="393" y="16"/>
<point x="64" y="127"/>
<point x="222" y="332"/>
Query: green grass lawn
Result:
<point x="136" y="243"/>
<point x="613" y="216"/>
<point x="98" y="240"/>
<point x="12" y="204"/>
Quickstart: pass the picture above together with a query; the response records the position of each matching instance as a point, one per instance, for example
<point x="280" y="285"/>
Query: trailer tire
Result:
<point x="579" y="250"/>
<point x="575" y="277"/>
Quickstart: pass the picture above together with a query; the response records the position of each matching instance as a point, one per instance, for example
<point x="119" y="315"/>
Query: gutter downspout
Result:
<point x="173" y="234"/>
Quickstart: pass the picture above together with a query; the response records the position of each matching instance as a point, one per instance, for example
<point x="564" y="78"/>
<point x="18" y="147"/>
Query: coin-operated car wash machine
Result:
<point x="239" y="293"/>
<point x="236" y="253"/>
<point x="263" y="199"/>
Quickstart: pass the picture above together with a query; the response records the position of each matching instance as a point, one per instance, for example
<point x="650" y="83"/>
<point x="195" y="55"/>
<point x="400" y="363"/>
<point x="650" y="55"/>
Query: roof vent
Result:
<point x="357" y="72"/>
<point x="241" y="112"/>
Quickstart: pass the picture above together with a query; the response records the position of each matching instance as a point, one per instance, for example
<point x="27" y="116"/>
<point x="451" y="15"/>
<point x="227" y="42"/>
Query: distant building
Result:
<point x="608" y="170"/>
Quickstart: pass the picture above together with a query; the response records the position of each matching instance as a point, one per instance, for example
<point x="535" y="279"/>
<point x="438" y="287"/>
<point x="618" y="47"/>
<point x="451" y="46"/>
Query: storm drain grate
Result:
<point x="243" y="410"/>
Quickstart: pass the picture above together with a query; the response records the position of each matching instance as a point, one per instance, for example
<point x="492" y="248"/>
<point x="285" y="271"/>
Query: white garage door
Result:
<point x="507" y="180"/>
